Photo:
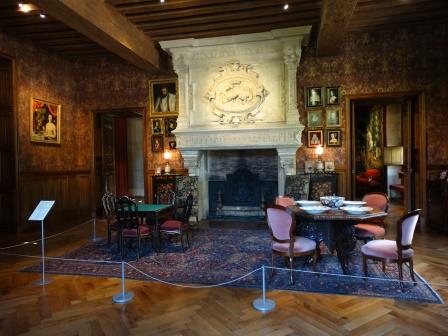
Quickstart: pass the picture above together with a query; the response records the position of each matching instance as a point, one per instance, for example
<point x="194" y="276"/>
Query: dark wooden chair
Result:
<point x="129" y="224"/>
<point x="394" y="251"/>
<point x="108" y="200"/>
<point x="180" y="225"/>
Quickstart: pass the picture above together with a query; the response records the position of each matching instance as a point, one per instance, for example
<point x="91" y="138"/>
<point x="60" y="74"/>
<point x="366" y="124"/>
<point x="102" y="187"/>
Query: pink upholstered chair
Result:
<point x="374" y="228"/>
<point x="394" y="251"/>
<point x="284" y="201"/>
<point x="284" y="243"/>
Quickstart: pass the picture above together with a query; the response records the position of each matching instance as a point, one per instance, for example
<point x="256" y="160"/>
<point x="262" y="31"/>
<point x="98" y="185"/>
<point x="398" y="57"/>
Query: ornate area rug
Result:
<point x="218" y="255"/>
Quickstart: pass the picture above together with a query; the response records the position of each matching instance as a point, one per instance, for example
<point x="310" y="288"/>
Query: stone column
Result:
<point x="180" y="65"/>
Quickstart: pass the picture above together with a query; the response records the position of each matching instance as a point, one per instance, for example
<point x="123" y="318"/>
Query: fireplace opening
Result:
<point x="241" y="182"/>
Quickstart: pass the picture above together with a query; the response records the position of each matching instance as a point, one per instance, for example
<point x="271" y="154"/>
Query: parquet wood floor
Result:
<point x="75" y="305"/>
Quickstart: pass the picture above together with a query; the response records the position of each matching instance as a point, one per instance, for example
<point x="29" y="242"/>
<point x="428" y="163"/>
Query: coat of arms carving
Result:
<point x="236" y="95"/>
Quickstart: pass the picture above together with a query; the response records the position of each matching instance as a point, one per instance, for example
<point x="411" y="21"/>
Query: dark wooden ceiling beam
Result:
<point x="335" y="17"/>
<point x="102" y="23"/>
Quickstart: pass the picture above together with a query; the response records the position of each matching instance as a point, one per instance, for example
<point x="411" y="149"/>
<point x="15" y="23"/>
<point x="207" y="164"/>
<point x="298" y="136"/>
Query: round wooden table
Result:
<point x="334" y="227"/>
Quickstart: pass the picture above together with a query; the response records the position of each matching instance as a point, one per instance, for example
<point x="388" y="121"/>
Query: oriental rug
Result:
<point x="218" y="255"/>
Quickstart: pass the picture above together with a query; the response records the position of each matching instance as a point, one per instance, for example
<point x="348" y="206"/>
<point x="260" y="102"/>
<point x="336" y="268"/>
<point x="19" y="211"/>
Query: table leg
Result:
<point x="345" y="243"/>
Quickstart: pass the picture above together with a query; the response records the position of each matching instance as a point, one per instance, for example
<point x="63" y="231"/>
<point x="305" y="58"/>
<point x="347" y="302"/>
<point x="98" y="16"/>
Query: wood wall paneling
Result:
<point x="70" y="190"/>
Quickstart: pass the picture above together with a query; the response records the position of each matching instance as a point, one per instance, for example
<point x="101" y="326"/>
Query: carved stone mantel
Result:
<point x="238" y="92"/>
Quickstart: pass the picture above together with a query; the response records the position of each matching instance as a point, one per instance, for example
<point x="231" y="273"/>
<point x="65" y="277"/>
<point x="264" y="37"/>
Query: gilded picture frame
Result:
<point x="314" y="96"/>
<point x="332" y="95"/>
<point x="333" y="117"/>
<point x="157" y="126"/>
<point x="163" y="98"/>
<point x="333" y="138"/>
<point x="315" y="118"/>
<point x="45" y="121"/>
<point x="157" y="143"/>
<point x="315" y="138"/>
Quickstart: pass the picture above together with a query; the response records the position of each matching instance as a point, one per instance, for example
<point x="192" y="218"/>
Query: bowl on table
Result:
<point x="354" y="203"/>
<point x="356" y="210"/>
<point x="308" y="203"/>
<point x="315" y="210"/>
<point x="333" y="202"/>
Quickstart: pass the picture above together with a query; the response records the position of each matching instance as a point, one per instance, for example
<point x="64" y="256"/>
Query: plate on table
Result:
<point x="354" y="203"/>
<point x="315" y="210"/>
<point x="355" y="210"/>
<point x="305" y="203"/>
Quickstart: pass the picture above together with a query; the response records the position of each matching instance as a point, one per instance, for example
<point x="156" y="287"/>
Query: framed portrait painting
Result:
<point x="333" y="138"/>
<point x="315" y="138"/>
<point x="163" y="98"/>
<point x="314" y="96"/>
<point x="170" y="125"/>
<point x="333" y="117"/>
<point x="332" y="95"/>
<point x="329" y="166"/>
<point x="172" y="144"/>
<point x="315" y="118"/>
<point x="45" y="121"/>
<point x="157" y="143"/>
<point x="157" y="126"/>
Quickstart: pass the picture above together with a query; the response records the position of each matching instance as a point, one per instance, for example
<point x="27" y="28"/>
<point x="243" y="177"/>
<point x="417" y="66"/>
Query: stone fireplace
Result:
<point x="238" y="93"/>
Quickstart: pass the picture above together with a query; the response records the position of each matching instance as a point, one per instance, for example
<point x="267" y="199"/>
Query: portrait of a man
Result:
<point x="163" y="97"/>
<point x="157" y="125"/>
<point x="315" y="118"/>
<point x="315" y="138"/>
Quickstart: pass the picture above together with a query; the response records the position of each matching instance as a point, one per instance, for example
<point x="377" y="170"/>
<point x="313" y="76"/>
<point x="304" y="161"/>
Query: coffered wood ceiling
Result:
<point x="175" y="19"/>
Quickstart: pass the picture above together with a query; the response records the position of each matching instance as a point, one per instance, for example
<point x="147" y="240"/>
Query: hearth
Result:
<point x="241" y="182"/>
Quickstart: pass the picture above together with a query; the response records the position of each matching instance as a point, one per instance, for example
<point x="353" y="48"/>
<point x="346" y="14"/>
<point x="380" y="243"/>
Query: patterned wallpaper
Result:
<point x="406" y="59"/>
<point x="43" y="75"/>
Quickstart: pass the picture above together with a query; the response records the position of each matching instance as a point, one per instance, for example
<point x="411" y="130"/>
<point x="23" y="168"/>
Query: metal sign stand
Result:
<point x="39" y="214"/>
<point x="94" y="238"/>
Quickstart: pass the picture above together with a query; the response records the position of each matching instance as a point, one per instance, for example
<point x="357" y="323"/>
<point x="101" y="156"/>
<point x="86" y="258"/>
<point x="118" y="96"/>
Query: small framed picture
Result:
<point x="45" y="121"/>
<point x="157" y="143"/>
<point x="329" y="166"/>
<point x="157" y="126"/>
<point x="333" y="117"/>
<point x="332" y="95"/>
<point x="309" y="167"/>
<point x="333" y="138"/>
<point x="170" y="125"/>
<point x="315" y="118"/>
<point x="314" y="96"/>
<point x="315" y="138"/>
<point x="172" y="144"/>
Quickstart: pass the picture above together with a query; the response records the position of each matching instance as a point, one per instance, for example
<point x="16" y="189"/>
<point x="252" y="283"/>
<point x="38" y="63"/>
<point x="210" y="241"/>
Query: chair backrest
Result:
<point x="377" y="200"/>
<point x="166" y="196"/>
<point x="187" y="208"/>
<point x="284" y="201"/>
<point x="406" y="228"/>
<point x="108" y="201"/>
<point x="126" y="213"/>
<point x="280" y="223"/>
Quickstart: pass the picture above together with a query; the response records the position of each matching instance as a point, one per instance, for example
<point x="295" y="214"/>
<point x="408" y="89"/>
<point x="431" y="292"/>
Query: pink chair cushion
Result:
<point x="407" y="229"/>
<point x="369" y="231"/>
<point x="376" y="201"/>
<point x="280" y="223"/>
<point x="172" y="225"/>
<point x="301" y="245"/>
<point x="384" y="249"/>
<point x="144" y="231"/>
<point x="284" y="201"/>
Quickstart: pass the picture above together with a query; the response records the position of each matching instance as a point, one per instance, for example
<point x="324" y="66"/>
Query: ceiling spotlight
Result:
<point x="162" y="1"/>
<point x="285" y="6"/>
<point x="42" y="15"/>
<point x="26" y="8"/>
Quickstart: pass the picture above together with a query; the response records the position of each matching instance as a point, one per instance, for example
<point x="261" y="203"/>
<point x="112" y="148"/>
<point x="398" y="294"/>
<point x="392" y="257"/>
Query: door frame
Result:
<point x="122" y="112"/>
<point x="421" y="202"/>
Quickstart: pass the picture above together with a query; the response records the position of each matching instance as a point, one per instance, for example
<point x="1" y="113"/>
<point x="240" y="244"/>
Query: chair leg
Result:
<point x="182" y="241"/>
<point x="364" y="264"/>
<point x="138" y="247"/>
<point x="400" y="270"/>
<point x="108" y="237"/>
<point x="411" y="268"/>
<point x="272" y="265"/>
<point x="292" y="273"/>
<point x="384" y="266"/>
<point x="188" y="238"/>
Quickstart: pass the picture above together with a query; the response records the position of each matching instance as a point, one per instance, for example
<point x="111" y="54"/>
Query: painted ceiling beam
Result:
<point x="102" y="23"/>
<point x="335" y="17"/>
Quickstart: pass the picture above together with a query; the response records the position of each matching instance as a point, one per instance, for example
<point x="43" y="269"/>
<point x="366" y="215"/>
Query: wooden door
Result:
<point x="8" y="187"/>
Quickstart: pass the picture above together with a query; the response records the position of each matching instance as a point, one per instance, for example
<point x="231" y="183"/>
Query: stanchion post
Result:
<point x="123" y="297"/>
<point x="44" y="281"/>
<point x="94" y="238"/>
<point x="262" y="304"/>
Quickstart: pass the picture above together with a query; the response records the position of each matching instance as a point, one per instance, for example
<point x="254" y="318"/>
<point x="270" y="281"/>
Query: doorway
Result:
<point x="118" y="154"/>
<point x="387" y="148"/>
<point x="8" y="177"/>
